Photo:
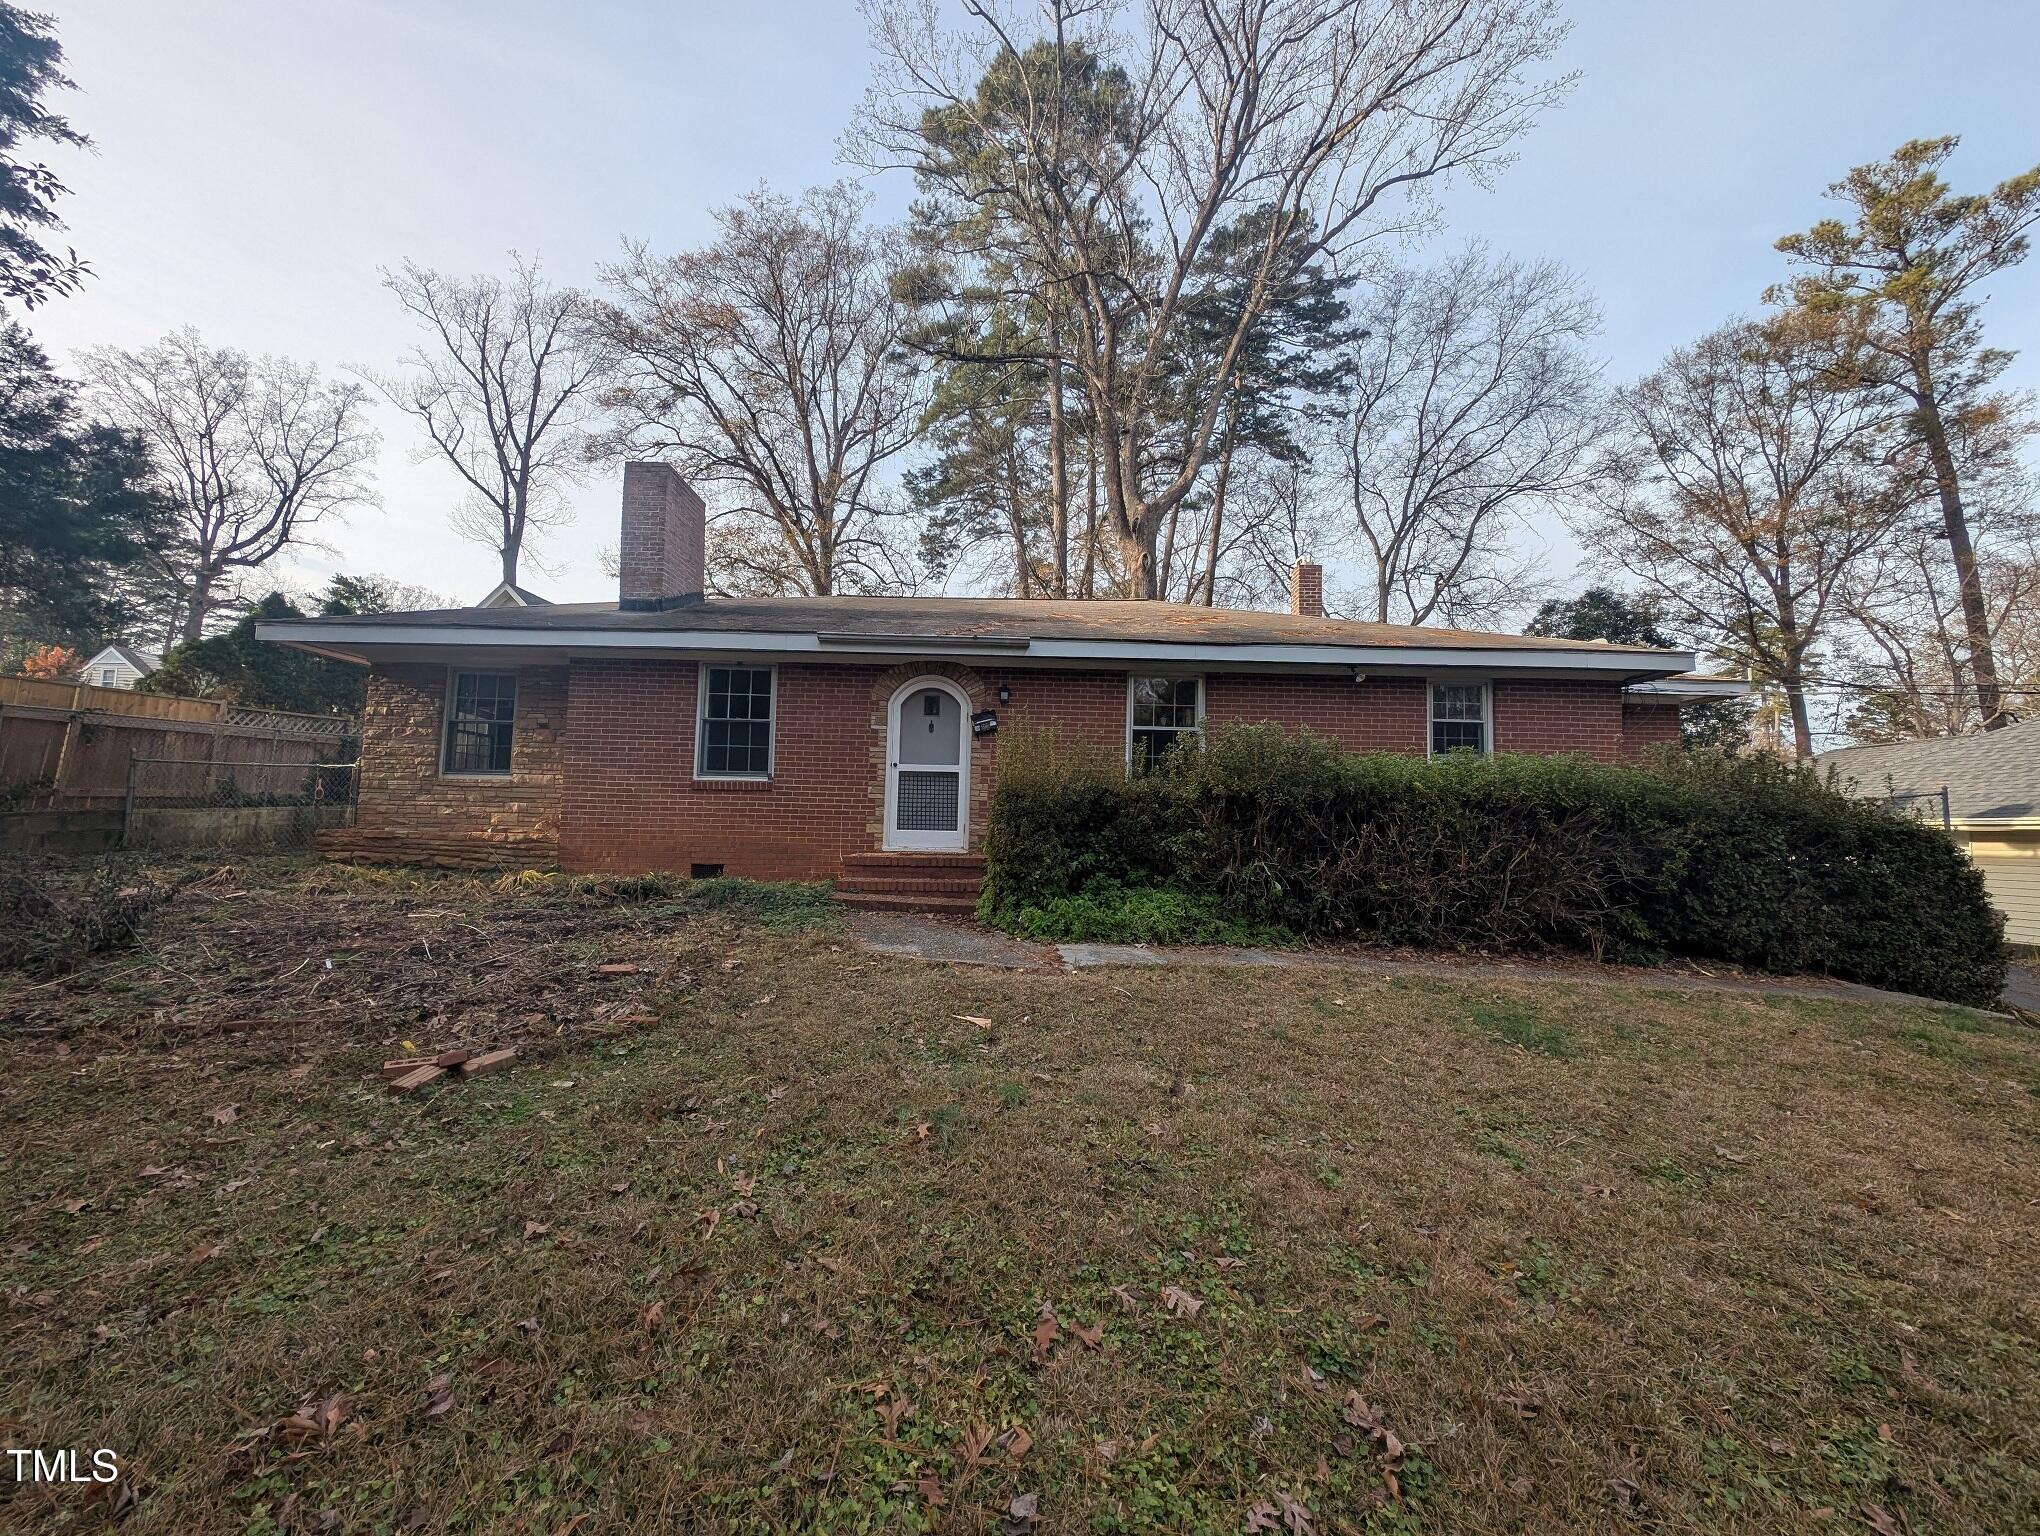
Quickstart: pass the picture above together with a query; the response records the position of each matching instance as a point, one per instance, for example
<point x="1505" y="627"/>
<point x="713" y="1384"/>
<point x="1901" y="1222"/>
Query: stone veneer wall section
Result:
<point x="408" y="811"/>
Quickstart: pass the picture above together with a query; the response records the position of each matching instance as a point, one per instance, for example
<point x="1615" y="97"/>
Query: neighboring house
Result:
<point x="119" y="666"/>
<point x="1984" y="788"/>
<point x="507" y="594"/>
<point x="853" y="737"/>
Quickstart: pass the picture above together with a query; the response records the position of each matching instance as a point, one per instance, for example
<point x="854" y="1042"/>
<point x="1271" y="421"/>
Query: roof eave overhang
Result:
<point x="363" y="644"/>
<point x="1693" y="688"/>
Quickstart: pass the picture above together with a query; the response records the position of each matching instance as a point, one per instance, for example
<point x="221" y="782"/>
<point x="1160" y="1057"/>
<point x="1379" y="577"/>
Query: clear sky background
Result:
<point x="256" y="161"/>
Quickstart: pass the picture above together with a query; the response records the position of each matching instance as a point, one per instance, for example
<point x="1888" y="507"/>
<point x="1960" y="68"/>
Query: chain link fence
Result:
<point x="206" y="805"/>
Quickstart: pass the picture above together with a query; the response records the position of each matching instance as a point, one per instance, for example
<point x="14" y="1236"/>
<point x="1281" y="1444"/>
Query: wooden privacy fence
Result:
<point x="67" y="746"/>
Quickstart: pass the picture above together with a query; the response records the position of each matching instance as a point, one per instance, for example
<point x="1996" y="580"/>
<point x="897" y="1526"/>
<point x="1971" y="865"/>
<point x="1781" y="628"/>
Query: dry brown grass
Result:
<point x="1604" y="1259"/>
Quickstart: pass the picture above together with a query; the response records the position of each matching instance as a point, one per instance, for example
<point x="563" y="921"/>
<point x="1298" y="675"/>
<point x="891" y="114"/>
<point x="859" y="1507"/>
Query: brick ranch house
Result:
<point x="852" y="738"/>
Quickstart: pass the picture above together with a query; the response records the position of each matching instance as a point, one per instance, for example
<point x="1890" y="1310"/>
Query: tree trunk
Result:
<point x="200" y="604"/>
<point x="1795" y="701"/>
<point x="1975" y="611"/>
<point x="1211" y="543"/>
<point x="1058" y="462"/>
<point x="1089" y="586"/>
<point x="1016" y="525"/>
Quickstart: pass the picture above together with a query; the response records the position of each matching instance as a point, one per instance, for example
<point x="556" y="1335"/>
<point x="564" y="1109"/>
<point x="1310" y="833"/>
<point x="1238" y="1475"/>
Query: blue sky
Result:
<point x="256" y="162"/>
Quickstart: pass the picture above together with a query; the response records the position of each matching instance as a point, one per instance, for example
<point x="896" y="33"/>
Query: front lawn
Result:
<point x="774" y="1234"/>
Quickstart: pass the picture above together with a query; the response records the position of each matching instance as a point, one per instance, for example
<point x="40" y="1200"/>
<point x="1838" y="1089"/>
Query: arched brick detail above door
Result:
<point x="982" y="748"/>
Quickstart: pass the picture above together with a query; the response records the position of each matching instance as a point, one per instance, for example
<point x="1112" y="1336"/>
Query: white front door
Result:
<point x="927" y="776"/>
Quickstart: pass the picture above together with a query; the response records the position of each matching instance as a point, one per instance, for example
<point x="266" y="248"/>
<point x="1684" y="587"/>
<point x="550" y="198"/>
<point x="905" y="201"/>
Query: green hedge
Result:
<point x="1747" y="860"/>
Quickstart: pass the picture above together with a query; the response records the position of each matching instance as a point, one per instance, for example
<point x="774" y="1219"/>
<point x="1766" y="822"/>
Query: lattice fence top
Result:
<point x="288" y="723"/>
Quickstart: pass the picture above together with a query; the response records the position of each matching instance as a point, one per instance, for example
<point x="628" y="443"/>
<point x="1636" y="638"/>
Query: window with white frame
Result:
<point x="1459" y="717"/>
<point x="481" y="708"/>
<point x="734" y="737"/>
<point x="1162" y="713"/>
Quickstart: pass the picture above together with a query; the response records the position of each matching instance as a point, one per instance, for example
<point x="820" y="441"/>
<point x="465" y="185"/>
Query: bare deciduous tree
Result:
<point x="770" y="366"/>
<point x="251" y="452"/>
<point x="1746" y="494"/>
<point x="1097" y="150"/>
<point x="1473" y="403"/>
<point x="504" y="385"/>
<point x="1908" y="653"/>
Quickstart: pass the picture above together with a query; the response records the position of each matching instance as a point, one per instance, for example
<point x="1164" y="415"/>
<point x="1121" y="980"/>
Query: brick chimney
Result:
<point x="659" y="559"/>
<point x="1307" y="590"/>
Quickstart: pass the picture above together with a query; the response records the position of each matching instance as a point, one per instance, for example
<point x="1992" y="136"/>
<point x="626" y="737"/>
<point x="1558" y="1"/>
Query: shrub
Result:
<point x="1749" y="860"/>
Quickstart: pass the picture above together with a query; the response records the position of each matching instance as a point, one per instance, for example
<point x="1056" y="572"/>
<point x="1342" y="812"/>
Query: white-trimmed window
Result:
<point x="481" y="709"/>
<point x="1162" y="712"/>
<point x="733" y="733"/>
<point x="1459" y="718"/>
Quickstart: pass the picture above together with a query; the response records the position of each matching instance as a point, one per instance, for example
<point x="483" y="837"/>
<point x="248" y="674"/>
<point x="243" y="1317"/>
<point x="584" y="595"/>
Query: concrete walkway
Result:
<point x="958" y="943"/>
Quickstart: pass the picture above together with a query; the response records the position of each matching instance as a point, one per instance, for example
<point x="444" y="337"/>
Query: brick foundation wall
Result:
<point x="408" y="811"/>
<point x="603" y="757"/>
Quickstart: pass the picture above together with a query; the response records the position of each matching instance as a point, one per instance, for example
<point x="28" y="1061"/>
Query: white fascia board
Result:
<point x="1693" y="688"/>
<point x="331" y="638"/>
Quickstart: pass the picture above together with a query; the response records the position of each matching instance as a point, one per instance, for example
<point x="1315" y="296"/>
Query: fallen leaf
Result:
<point x="1093" y="1337"/>
<point x="972" y="1445"/>
<point x="1295" y="1516"/>
<point x="439" y="1394"/>
<point x="653" y="1315"/>
<point x="1128" y="1301"/>
<point x="1014" y="1442"/>
<point x="226" y="1114"/>
<point x="977" y="1019"/>
<point x="1046" y="1332"/>
<point x="1180" y="1301"/>
<point x="1524" y="1404"/>
<point x="204" y="1253"/>
<point x="891" y="1411"/>
<point x="536" y="1229"/>
<point x="1262" y="1516"/>
<point x="299" y="1070"/>
<point x="1879" y="1519"/>
<point x="1022" y="1512"/>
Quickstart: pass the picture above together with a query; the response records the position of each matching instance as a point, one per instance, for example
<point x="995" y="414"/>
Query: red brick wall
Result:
<point x="1383" y="714"/>
<point x="1546" y="716"/>
<point x="1648" y="723"/>
<point x="604" y="755"/>
<point x="407" y="810"/>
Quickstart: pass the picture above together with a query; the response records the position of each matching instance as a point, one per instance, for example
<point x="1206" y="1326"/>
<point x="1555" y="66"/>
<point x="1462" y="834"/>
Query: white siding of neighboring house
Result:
<point x="2010" y="861"/>
<point x="109" y="670"/>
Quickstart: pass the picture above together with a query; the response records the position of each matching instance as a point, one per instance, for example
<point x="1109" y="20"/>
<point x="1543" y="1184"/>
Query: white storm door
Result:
<point x="927" y="791"/>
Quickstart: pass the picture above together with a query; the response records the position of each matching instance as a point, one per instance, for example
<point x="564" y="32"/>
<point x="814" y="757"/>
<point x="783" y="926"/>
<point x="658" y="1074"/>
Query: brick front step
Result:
<point x="911" y="885"/>
<point x="877" y="862"/>
<point x="912" y="882"/>
<point x="952" y="906"/>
